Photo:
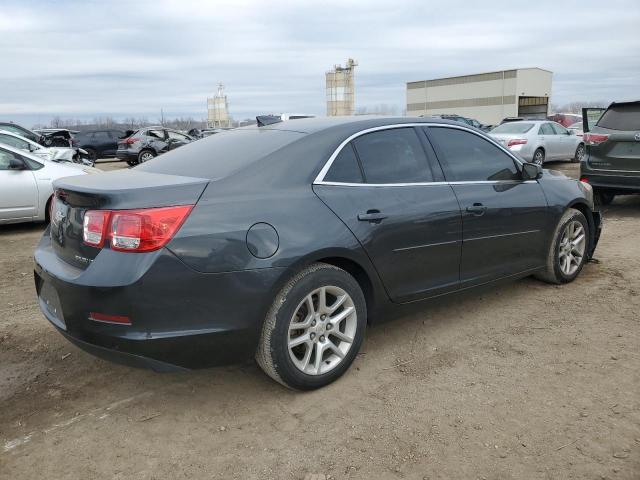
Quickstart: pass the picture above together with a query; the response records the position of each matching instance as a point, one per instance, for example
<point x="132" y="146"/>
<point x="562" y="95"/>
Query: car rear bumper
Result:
<point x="179" y="318"/>
<point x="621" y="182"/>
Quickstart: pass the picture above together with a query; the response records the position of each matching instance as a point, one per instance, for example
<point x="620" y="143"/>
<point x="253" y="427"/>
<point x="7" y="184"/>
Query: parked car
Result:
<point x="612" y="159"/>
<point x="100" y="143"/>
<point x="56" y="137"/>
<point x="565" y="119"/>
<point x="539" y="140"/>
<point x="466" y="120"/>
<point x="149" y="142"/>
<point x="60" y="154"/>
<point x="285" y="245"/>
<point x="26" y="184"/>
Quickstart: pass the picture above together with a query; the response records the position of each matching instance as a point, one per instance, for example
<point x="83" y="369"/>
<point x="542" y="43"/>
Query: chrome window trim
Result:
<point x="319" y="180"/>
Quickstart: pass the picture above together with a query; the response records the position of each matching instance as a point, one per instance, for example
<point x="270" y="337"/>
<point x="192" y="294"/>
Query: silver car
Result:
<point x="539" y="140"/>
<point x="26" y="183"/>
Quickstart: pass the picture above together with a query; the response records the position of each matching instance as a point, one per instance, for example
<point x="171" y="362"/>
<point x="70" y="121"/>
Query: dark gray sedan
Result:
<point x="285" y="242"/>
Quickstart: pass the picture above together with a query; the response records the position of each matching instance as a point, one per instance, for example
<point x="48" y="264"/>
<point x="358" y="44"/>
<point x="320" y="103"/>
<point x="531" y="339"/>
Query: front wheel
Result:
<point x="314" y="329"/>
<point x="568" y="250"/>
<point x="538" y="156"/>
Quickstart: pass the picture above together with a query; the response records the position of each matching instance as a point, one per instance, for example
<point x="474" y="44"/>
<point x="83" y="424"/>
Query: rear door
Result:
<point x="549" y="141"/>
<point x="394" y="200"/>
<point x="505" y="221"/>
<point x="613" y="144"/>
<point x="18" y="189"/>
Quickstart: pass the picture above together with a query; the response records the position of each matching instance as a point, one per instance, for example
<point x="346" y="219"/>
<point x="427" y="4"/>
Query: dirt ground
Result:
<point x="522" y="381"/>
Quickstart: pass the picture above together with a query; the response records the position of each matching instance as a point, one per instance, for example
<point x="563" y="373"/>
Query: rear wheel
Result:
<point x="314" y="328"/>
<point x="145" y="156"/>
<point x="568" y="250"/>
<point x="538" y="156"/>
<point x="579" y="153"/>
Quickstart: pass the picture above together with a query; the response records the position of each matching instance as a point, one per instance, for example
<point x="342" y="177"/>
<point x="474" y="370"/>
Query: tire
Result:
<point x="93" y="155"/>
<point x="299" y="367"/>
<point x="604" y="197"/>
<point x="145" y="156"/>
<point x="579" y="153"/>
<point x="538" y="156"/>
<point x="555" y="272"/>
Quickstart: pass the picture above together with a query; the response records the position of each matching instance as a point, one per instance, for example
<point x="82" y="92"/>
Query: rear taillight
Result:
<point x="141" y="230"/>
<point x="94" y="227"/>
<point x="516" y="141"/>
<point x="595" y="138"/>
<point x="130" y="141"/>
<point x="584" y="180"/>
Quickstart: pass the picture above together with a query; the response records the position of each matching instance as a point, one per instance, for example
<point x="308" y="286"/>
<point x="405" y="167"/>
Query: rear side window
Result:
<point x="621" y="117"/>
<point x="545" y="129"/>
<point x="345" y="168"/>
<point x="393" y="156"/>
<point x="467" y="157"/>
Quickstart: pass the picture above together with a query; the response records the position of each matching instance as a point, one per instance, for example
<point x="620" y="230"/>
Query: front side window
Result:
<point x="393" y="156"/>
<point x="6" y="157"/>
<point x="345" y="168"/>
<point x="467" y="157"/>
<point x="558" y="129"/>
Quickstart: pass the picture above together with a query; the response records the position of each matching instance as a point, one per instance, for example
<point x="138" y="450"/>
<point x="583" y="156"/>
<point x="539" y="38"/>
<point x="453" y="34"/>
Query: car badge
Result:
<point x="637" y="137"/>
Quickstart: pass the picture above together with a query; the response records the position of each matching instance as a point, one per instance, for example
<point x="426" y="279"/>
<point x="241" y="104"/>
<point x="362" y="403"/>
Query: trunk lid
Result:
<point x="123" y="190"/>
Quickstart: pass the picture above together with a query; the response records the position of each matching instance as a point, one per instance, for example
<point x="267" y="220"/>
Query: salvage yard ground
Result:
<point x="524" y="381"/>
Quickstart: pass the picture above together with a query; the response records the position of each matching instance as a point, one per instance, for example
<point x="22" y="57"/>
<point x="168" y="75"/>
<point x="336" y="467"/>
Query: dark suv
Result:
<point x="100" y="143"/>
<point x="611" y="163"/>
<point x="150" y="142"/>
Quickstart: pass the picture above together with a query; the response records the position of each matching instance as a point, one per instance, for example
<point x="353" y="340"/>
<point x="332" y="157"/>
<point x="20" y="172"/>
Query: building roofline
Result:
<point x="481" y="73"/>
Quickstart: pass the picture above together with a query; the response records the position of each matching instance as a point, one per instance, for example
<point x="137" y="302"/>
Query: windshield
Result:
<point x="513" y="127"/>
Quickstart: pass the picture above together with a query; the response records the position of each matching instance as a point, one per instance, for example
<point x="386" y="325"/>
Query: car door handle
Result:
<point x="373" y="216"/>
<point x="477" y="209"/>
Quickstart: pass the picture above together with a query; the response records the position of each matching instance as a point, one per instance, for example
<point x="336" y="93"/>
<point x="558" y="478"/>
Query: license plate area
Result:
<point x="51" y="306"/>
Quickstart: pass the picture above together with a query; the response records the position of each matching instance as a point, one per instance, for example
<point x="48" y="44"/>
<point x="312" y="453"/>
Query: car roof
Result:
<point x="318" y="124"/>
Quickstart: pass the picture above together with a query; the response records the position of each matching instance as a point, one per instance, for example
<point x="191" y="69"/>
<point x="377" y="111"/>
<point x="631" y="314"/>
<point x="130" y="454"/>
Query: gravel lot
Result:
<point x="525" y="380"/>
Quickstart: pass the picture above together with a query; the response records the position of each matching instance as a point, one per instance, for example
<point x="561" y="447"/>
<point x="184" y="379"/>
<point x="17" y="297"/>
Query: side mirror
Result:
<point x="571" y="132"/>
<point x="15" y="164"/>
<point x="531" y="171"/>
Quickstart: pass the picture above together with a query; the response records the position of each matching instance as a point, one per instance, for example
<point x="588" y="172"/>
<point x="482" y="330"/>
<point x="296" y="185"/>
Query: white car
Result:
<point x="539" y="140"/>
<point x="26" y="184"/>
<point x="47" y="153"/>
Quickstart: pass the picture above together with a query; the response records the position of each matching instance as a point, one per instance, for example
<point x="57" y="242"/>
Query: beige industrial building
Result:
<point x="487" y="97"/>
<point x="218" y="110"/>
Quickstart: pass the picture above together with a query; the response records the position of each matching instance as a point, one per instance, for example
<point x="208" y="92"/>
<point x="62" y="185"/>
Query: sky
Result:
<point x="86" y="59"/>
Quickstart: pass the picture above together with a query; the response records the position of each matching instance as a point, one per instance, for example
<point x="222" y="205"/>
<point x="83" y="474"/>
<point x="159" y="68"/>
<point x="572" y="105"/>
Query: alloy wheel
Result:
<point x="572" y="247"/>
<point x="579" y="153"/>
<point x="146" y="156"/>
<point x="322" y="330"/>
<point x="538" y="157"/>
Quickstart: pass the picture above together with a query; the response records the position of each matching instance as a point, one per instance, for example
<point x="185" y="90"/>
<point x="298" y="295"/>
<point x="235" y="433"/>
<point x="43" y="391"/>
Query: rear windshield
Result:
<point x="513" y="127"/>
<point x="621" y="117"/>
<point x="220" y="155"/>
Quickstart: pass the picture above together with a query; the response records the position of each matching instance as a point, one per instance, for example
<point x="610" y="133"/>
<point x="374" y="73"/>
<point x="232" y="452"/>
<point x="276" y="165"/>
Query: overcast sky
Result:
<point x="83" y="59"/>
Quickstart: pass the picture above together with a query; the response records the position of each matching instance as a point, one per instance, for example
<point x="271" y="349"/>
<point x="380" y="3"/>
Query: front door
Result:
<point x="387" y="193"/>
<point x="505" y="220"/>
<point x="18" y="190"/>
